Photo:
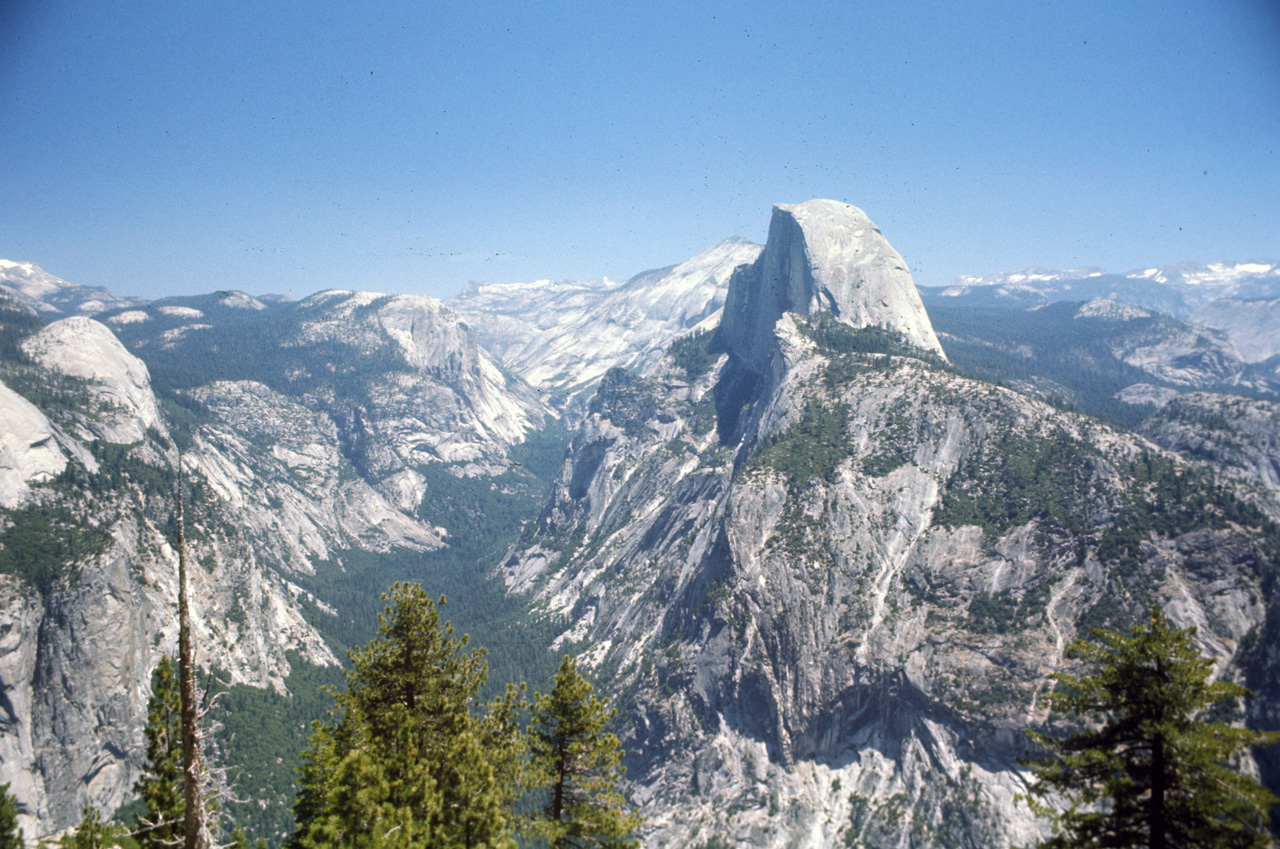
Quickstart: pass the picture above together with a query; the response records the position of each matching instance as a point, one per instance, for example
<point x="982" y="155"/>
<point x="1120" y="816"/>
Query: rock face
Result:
<point x="28" y="450"/>
<point x="826" y="576"/>
<point x="308" y="430"/>
<point x="829" y="578"/>
<point x="822" y="256"/>
<point x="452" y="404"/>
<point x="118" y="382"/>
<point x="1181" y="355"/>
<point x="1239" y="436"/>
<point x="563" y="336"/>
<point x="1102" y="356"/>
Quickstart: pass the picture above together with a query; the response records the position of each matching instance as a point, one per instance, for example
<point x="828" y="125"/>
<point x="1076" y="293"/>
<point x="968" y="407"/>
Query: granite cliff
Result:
<point x="828" y="576"/>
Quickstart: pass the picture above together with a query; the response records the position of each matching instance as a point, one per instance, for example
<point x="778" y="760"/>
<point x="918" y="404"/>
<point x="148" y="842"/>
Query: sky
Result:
<point x="164" y="148"/>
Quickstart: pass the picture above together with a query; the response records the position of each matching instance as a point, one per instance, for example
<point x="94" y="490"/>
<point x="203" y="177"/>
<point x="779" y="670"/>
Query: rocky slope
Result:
<point x="1103" y="356"/>
<point x="307" y="431"/>
<point x="39" y="290"/>
<point x="825" y="568"/>
<point x="828" y="577"/>
<point x="403" y="380"/>
<point x="563" y="336"/>
<point x="88" y="587"/>
<point x="1237" y="436"/>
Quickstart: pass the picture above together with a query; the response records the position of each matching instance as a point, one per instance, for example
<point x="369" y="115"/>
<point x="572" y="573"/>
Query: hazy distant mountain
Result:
<point x="564" y="336"/>
<point x="1175" y="290"/>
<point x="1252" y="325"/>
<point x="1187" y="290"/>
<point x="1101" y="357"/>
<point x="35" y="287"/>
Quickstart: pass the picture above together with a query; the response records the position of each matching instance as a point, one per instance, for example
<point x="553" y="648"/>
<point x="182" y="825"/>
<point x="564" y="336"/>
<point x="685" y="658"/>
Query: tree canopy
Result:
<point x="408" y="757"/>
<point x="578" y="764"/>
<point x="10" y="833"/>
<point x="160" y="785"/>
<point x="1147" y="769"/>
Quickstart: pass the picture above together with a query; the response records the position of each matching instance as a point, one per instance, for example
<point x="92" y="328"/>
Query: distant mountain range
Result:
<point x="821" y="535"/>
<point x="1240" y="299"/>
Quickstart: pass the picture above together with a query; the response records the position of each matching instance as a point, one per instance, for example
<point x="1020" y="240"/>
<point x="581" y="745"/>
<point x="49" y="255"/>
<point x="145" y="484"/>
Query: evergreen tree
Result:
<point x="579" y="767"/>
<point x="406" y="759"/>
<point x="240" y="840"/>
<point x="1147" y="770"/>
<point x="160" y="785"/>
<point x="93" y="833"/>
<point x="10" y="833"/>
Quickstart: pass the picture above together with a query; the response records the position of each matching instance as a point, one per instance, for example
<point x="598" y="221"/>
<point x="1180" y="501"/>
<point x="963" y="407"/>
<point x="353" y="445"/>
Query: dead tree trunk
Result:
<point x="195" y="820"/>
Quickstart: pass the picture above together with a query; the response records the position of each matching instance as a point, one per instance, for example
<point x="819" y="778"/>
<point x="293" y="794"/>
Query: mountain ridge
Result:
<point x="823" y="572"/>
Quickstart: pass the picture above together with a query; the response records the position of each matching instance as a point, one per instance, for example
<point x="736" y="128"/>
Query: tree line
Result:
<point x="409" y="756"/>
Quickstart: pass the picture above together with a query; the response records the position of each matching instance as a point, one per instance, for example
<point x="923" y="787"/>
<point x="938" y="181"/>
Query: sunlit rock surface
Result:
<point x="822" y="256"/>
<point x="564" y="335"/>
<point x="28" y="450"/>
<point x="830" y="584"/>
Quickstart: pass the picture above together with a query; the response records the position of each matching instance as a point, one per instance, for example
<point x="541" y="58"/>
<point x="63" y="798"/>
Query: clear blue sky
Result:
<point x="178" y="147"/>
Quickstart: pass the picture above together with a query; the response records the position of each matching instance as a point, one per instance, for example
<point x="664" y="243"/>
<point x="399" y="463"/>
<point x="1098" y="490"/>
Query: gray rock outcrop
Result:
<point x="822" y="256"/>
<point x="28" y="448"/>
<point x="368" y="391"/>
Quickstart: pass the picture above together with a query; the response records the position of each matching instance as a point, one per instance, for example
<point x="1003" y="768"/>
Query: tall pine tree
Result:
<point x="1147" y="770"/>
<point x="408" y="758"/>
<point x="160" y="785"/>
<point x="578" y="765"/>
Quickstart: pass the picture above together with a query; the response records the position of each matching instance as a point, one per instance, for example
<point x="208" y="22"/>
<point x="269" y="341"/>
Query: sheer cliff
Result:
<point x="828" y="576"/>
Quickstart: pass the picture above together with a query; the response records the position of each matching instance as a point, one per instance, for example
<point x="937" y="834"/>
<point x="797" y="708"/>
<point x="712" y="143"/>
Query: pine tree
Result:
<point x="93" y="833"/>
<point x="407" y="759"/>
<point x="579" y="767"/>
<point x="160" y="785"/>
<point x="10" y="833"/>
<point x="1147" y="770"/>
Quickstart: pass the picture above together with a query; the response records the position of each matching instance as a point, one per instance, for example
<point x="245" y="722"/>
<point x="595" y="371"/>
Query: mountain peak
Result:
<point x="823" y="256"/>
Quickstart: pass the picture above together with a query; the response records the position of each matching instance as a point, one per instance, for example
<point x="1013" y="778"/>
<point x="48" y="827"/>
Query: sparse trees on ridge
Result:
<point x="1147" y="770"/>
<point x="93" y="833"/>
